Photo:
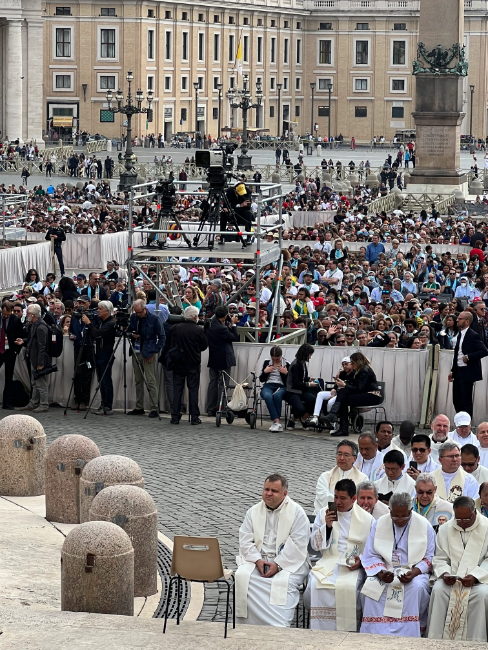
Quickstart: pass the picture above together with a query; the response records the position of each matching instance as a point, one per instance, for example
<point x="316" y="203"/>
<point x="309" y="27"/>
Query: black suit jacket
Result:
<point x="15" y="330"/>
<point x="474" y="348"/>
<point x="220" y="350"/>
<point x="478" y="328"/>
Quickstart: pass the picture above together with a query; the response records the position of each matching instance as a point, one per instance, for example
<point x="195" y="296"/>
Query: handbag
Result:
<point x="174" y="357"/>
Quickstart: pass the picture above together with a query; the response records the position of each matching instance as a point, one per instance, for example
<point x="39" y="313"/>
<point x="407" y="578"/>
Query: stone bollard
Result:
<point x="65" y="460"/>
<point x="133" y="509"/>
<point x="476" y="187"/>
<point x="102" y="472"/>
<point x="319" y="150"/>
<point x="275" y="178"/>
<point x="97" y="570"/>
<point x="22" y="453"/>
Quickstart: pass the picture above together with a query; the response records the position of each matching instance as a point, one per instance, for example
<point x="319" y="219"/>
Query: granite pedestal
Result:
<point x="22" y="453"/>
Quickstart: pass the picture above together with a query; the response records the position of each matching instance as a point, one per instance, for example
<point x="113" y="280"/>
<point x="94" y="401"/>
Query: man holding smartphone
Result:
<point x="420" y="459"/>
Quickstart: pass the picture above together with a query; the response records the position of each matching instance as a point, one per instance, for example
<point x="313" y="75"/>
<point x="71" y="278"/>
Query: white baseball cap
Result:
<point x="346" y="360"/>
<point x="462" y="419"/>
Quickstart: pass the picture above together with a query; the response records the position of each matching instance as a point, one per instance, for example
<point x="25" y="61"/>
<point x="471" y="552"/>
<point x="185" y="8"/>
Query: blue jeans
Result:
<point x="273" y="396"/>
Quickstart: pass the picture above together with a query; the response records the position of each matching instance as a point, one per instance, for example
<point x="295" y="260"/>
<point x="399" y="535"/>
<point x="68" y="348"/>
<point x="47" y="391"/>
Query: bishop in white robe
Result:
<point x="452" y="481"/>
<point x="369" y="460"/>
<point x="459" y="600"/>
<point x="397" y="560"/>
<point x="273" y="559"/>
<point x="347" y="453"/>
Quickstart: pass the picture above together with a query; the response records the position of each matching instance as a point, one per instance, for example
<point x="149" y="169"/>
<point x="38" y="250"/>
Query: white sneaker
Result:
<point x="276" y="426"/>
<point x="279" y="427"/>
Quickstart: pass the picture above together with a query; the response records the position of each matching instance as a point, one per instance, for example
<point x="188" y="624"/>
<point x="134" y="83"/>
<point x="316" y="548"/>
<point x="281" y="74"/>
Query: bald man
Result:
<point x="482" y="435"/>
<point x="466" y="365"/>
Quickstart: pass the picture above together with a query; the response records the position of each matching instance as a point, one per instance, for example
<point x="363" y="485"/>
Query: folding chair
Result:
<point x="357" y="419"/>
<point x="198" y="559"/>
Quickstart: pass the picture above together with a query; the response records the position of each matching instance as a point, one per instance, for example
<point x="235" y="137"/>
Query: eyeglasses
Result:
<point x="464" y="465"/>
<point x="419" y="450"/>
<point x="427" y="493"/>
<point x="340" y="454"/>
<point x="341" y="341"/>
<point x="403" y="517"/>
<point x="455" y="456"/>
<point x="465" y="521"/>
<point x="350" y="336"/>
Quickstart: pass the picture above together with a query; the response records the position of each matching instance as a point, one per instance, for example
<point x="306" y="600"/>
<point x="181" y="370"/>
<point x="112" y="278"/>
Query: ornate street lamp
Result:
<point x="196" y="86"/>
<point x="280" y="124"/>
<point x="312" y="86"/>
<point x="128" y="178"/>
<point x="242" y="99"/>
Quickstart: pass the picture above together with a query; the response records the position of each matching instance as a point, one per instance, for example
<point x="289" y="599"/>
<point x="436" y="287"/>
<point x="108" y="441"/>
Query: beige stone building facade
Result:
<point x="363" y="48"/>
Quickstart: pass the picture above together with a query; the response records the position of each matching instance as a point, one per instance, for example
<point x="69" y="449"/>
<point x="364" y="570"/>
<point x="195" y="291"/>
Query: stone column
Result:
<point x="35" y="76"/>
<point x="14" y="81"/>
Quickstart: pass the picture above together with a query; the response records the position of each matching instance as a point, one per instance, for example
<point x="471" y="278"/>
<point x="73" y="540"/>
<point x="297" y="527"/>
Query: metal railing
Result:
<point x="417" y="202"/>
<point x="95" y="145"/>
<point x="386" y="203"/>
<point x="288" y="336"/>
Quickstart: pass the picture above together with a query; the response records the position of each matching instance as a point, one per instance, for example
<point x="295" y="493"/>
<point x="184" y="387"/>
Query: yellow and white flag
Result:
<point x="239" y="58"/>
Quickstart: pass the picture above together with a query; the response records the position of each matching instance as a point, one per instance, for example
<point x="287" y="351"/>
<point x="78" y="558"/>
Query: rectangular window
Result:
<point x="63" y="42"/>
<point x="107" y="42"/>
<point x="200" y="83"/>
<point x="167" y="83"/>
<point x="231" y="47"/>
<point x="398" y="85"/>
<point x="167" y="46"/>
<point x="324" y="84"/>
<point x="299" y="25"/>
<point x="216" y="47"/>
<point x="246" y="21"/>
<point x="215" y="113"/>
<point x="245" y="48"/>
<point x="150" y="82"/>
<point x="107" y="116"/>
<point x="297" y="111"/>
<point x="272" y="83"/>
<point x="216" y="19"/>
<point x="286" y="24"/>
<point x="398" y="52"/>
<point x="273" y="23"/>
<point x="216" y="82"/>
<point x="286" y="50"/>
<point x="362" y="52"/>
<point x="323" y="111"/>
<point x="273" y="50"/>
<point x="167" y="14"/>
<point x="298" y="83"/>
<point x="362" y="26"/>
<point x="360" y="111"/>
<point x="184" y="83"/>
<point x="150" y="13"/>
<point x="201" y="19"/>
<point x="184" y="15"/>
<point x="260" y="22"/>
<point x="360" y="84"/>
<point x="397" y="111"/>
<point x="63" y="81"/>
<point x="325" y="52"/>
<point x="325" y="26"/>
<point x="63" y="11"/>
<point x="232" y="82"/>
<point x="184" y="46"/>
<point x="271" y="111"/>
<point x="107" y="11"/>
<point x="399" y="26"/>
<point x="201" y="47"/>
<point x="150" y="44"/>
<point x="231" y="20"/>
<point x="285" y="83"/>
<point x="107" y="82"/>
<point x="259" y="48"/>
<point x="299" y="51"/>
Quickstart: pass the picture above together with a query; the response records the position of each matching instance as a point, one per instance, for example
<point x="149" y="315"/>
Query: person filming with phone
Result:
<point x="273" y="376"/>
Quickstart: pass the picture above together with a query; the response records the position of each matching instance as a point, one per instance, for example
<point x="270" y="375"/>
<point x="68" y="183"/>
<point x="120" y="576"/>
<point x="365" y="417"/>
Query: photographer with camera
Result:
<point x="220" y="336"/>
<point x="84" y="356"/>
<point x="102" y="330"/>
<point x="148" y="336"/>
<point x="240" y="199"/>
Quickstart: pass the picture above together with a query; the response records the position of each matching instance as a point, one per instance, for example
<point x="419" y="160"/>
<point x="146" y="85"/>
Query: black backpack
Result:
<point x="55" y="341"/>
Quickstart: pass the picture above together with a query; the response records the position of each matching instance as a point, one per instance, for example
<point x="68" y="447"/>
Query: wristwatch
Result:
<point x="279" y="567"/>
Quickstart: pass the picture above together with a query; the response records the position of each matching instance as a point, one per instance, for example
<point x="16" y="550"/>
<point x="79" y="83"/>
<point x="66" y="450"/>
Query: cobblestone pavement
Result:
<point x="204" y="478"/>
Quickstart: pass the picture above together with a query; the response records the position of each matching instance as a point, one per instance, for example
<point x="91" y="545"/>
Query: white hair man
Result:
<point x="428" y="503"/>
<point x="102" y="330"/>
<point x="397" y="560"/>
<point x="367" y="499"/>
<point x="273" y="541"/>
<point x="369" y="460"/>
<point x="459" y="599"/>
<point x="37" y="351"/>
<point x="462" y="434"/>
<point x="440" y="434"/>
<point x="452" y="480"/>
<point x="339" y="532"/>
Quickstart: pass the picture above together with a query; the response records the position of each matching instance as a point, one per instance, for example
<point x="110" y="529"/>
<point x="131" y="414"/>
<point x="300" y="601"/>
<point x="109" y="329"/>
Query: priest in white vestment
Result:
<point x="459" y="600"/>
<point x="384" y="436"/>
<point x="397" y="560"/>
<point x="404" y="438"/>
<point x="420" y="460"/>
<point x="394" y="480"/>
<point x="367" y="499"/>
<point x="482" y="501"/>
<point x="452" y="480"/>
<point x="369" y="460"/>
<point x="440" y="434"/>
<point x="346" y="454"/>
<point x="428" y="504"/>
<point x="482" y="435"/>
<point x="470" y="462"/>
<point x="335" y="581"/>
<point x="462" y="434"/>
<point x="273" y="558"/>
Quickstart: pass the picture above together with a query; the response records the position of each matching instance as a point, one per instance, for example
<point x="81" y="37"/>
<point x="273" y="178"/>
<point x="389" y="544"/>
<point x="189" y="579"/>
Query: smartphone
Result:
<point x="332" y="506"/>
<point x="414" y="464"/>
<point x="266" y="569"/>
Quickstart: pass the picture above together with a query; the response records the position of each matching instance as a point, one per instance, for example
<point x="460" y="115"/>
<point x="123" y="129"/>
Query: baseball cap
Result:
<point x="346" y="360"/>
<point x="83" y="299"/>
<point x="462" y="419"/>
<point x="32" y="299"/>
<point x="81" y="276"/>
<point x="308" y="273"/>
<point x="477" y="299"/>
<point x="241" y="189"/>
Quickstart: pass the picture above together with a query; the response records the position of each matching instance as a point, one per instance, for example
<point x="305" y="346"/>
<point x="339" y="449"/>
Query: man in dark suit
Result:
<point x="466" y="365"/>
<point x="94" y="291"/>
<point x="220" y="336"/>
<point x="478" y="235"/>
<point x="11" y="328"/>
<point x="479" y="323"/>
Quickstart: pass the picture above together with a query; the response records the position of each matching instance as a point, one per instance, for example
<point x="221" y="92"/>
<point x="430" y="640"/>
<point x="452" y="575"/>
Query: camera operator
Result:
<point x="240" y="199"/>
<point x="58" y="236"/>
<point x="148" y="338"/>
<point x="220" y="336"/>
<point x="84" y="356"/>
<point x="102" y="329"/>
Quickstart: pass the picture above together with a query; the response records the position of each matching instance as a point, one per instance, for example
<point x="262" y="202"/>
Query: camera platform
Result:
<point x="267" y="252"/>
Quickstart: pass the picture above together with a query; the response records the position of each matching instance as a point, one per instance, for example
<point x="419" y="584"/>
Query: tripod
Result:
<point x="123" y="335"/>
<point x="77" y="365"/>
<point x="165" y="192"/>
<point x="217" y="200"/>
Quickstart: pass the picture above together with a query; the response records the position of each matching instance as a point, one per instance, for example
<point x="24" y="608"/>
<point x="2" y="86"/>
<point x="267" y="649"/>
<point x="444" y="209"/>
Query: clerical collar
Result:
<point x="277" y="507"/>
<point x="437" y="439"/>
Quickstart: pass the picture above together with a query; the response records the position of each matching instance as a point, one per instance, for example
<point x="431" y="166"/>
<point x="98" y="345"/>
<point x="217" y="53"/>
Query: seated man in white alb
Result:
<point x="421" y="456"/>
<point x="462" y="434"/>
<point x="404" y="438"/>
<point x="335" y="581"/>
<point x="394" y="480"/>
<point x="367" y="499"/>
<point x="346" y="454"/>
<point x="482" y="435"/>
<point x="370" y="460"/>
<point x="440" y="434"/>
<point x="459" y="599"/>
<point x="470" y="462"/>
<point x="427" y="502"/>
<point x="452" y="481"/>
<point x="272" y="564"/>
<point x="397" y="560"/>
<point x="384" y="436"/>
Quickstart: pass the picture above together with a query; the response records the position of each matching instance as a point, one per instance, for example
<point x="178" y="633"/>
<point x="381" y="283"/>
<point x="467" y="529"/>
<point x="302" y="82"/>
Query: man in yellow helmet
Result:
<point x="239" y="198"/>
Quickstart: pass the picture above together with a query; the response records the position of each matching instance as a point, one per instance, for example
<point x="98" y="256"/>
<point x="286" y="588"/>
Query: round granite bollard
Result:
<point x="97" y="570"/>
<point x="102" y="472"/>
<point x="133" y="509"/>
<point x="65" y="460"/>
<point x="22" y="452"/>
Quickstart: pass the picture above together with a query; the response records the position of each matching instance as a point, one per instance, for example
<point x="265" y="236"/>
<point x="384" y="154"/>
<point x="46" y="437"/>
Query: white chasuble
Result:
<point x="456" y="487"/>
<point x="327" y="482"/>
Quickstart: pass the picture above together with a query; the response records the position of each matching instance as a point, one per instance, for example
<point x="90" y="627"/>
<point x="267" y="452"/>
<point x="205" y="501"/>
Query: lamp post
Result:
<point x="312" y="86"/>
<point x="471" y="115"/>
<point x="279" y="86"/>
<point x="329" y="88"/>
<point x="242" y="99"/>
<point x="219" y="88"/>
<point x="133" y="106"/>
<point x="196" y="86"/>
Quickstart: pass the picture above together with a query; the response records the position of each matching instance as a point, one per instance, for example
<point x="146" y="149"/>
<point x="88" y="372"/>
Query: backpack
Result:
<point x="55" y="341"/>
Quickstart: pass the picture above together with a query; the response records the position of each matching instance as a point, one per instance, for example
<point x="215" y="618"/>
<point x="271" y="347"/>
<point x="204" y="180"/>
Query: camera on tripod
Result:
<point x="89" y="313"/>
<point x="122" y="318"/>
<point x="219" y="163"/>
<point x="166" y="190"/>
